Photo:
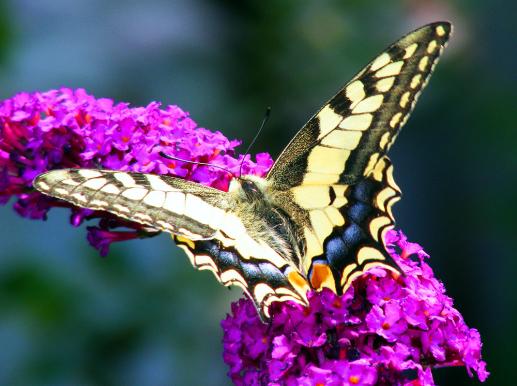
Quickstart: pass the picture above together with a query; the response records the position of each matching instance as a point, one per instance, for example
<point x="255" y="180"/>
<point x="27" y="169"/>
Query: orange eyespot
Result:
<point x="321" y="276"/>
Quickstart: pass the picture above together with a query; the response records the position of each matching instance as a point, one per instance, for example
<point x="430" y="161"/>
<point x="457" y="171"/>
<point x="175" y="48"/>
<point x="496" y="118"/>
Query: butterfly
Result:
<point x="317" y="220"/>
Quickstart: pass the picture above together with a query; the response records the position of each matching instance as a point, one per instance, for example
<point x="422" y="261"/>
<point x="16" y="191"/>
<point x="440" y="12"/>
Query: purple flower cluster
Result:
<point x="68" y="128"/>
<point x="386" y="329"/>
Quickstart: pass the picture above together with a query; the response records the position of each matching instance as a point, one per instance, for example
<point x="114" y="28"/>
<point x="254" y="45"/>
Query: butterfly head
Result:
<point x="249" y="188"/>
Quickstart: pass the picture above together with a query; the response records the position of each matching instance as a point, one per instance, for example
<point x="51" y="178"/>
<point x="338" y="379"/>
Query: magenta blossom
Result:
<point x="382" y="330"/>
<point x="68" y="128"/>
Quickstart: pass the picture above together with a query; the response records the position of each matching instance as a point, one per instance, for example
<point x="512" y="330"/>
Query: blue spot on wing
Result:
<point x="353" y="235"/>
<point x="340" y="249"/>
<point x="359" y="212"/>
<point x="335" y="251"/>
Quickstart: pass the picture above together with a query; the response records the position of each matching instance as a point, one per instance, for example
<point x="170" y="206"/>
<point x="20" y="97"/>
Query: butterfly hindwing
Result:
<point x="343" y="226"/>
<point x="349" y="238"/>
<point x="165" y="203"/>
<point x="262" y="280"/>
<point x="345" y="139"/>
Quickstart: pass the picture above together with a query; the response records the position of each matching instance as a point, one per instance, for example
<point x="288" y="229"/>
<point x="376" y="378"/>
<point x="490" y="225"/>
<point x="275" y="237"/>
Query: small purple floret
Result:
<point x="68" y="128"/>
<point x="383" y="329"/>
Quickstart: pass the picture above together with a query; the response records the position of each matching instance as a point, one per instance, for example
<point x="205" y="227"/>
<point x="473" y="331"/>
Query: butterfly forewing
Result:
<point x="343" y="142"/>
<point x="165" y="203"/>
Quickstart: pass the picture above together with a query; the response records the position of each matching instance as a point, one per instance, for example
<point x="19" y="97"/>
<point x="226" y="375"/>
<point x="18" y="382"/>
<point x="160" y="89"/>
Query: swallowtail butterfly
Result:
<point x="319" y="217"/>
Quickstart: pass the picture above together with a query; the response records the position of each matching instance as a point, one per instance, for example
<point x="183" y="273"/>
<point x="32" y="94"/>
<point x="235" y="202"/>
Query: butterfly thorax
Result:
<point x="258" y="207"/>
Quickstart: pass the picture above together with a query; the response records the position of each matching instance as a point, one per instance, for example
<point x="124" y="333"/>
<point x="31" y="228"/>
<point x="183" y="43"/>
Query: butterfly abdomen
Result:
<point x="359" y="231"/>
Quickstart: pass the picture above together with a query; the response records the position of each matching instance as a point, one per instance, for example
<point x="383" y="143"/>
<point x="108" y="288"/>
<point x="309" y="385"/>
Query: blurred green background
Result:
<point x="143" y="316"/>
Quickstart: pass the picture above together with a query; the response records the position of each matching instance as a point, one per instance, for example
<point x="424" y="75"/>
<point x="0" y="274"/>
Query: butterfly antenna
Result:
<point x="264" y="120"/>
<point x="162" y="154"/>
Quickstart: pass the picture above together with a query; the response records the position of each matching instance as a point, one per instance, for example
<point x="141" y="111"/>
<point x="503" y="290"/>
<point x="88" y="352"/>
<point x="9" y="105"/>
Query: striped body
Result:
<point x="319" y="217"/>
